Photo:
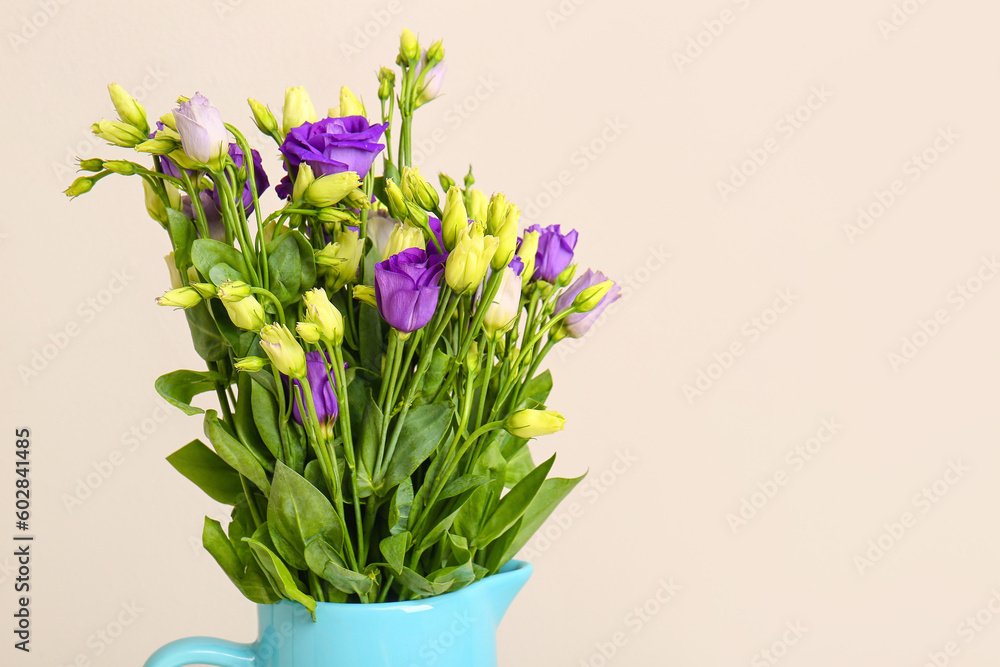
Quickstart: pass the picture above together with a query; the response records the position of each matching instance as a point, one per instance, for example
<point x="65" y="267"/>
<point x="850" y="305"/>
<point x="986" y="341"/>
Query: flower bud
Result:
<point x="397" y="200"/>
<point x="80" y="186"/>
<point x="432" y="83"/>
<point x="123" y="167"/>
<point x="246" y="313"/>
<point x="534" y="423"/>
<point x="168" y="121"/>
<point x="506" y="233"/>
<point x="204" y="136"/>
<point x="478" y="205"/>
<point x="298" y="109"/>
<point x="308" y="331"/>
<point x="161" y="144"/>
<point x="338" y="261"/>
<point x="403" y="237"/>
<point x="181" y="297"/>
<point x="588" y="299"/>
<point x="330" y="189"/>
<point x="250" y="364"/>
<point x="527" y="251"/>
<point x="365" y="294"/>
<point x="446" y="181"/>
<point x="469" y="178"/>
<point x="337" y="216"/>
<point x="496" y="212"/>
<point x="91" y="164"/>
<point x="503" y="310"/>
<point x="324" y="315"/>
<point x="283" y="350"/>
<point x="409" y="47"/>
<point x="467" y="262"/>
<point x="386" y="83"/>
<point x="154" y="203"/>
<point x="417" y="189"/>
<point x="232" y="291"/>
<point x="435" y="52"/>
<point x="350" y="105"/>
<point x="357" y="199"/>
<point x="303" y="179"/>
<point x="455" y="218"/>
<point x="566" y="277"/>
<point x="206" y="290"/>
<point x="118" y="134"/>
<point x="472" y="359"/>
<point x="263" y="118"/>
<point x="417" y="215"/>
<point x="128" y="108"/>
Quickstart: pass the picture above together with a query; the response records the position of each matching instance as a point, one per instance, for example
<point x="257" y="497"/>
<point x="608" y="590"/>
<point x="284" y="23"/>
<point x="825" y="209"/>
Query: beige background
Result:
<point x="530" y="86"/>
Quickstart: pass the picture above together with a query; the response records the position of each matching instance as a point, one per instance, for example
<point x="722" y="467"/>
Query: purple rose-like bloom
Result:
<point x="555" y="251"/>
<point x="578" y="324"/>
<point x="324" y="394"/>
<point x="406" y="288"/>
<point x="331" y="146"/>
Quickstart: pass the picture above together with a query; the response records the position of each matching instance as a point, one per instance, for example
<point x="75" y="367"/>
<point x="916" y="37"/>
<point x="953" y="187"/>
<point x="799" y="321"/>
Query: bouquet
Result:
<point x="374" y="346"/>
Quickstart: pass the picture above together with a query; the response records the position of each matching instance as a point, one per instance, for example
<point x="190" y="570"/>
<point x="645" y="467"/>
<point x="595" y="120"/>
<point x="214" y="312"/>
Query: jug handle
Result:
<point x="204" y="651"/>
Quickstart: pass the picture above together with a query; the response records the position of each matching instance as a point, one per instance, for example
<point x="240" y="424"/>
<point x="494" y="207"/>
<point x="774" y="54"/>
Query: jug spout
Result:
<point x="502" y="587"/>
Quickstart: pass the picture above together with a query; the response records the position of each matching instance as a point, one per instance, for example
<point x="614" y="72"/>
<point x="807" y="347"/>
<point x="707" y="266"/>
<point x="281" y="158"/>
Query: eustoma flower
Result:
<point x="555" y="251"/>
<point x="407" y="287"/>
<point x="502" y="311"/>
<point x="203" y="134"/>
<point x="578" y="324"/>
<point x="331" y="146"/>
<point x="324" y="394"/>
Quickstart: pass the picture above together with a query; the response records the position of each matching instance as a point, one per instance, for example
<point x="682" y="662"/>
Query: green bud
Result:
<point x="122" y="167"/>
<point x="303" y="179"/>
<point x="409" y="47"/>
<point x="386" y="83"/>
<point x="338" y="216"/>
<point x="206" y="290"/>
<point x="182" y="297"/>
<point x="232" y="291"/>
<point x="588" y="299"/>
<point x="417" y="215"/>
<point x="397" y="200"/>
<point x="80" y="186"/>
<point x="496" y="212"/>
<point x="128" y="108"/>
<point x="324" y="316"/>
<point x="263" y="118"/>
<point x="435" y="53"/>
<point x="308" y="331"/>
<point x="350" y="105"/>
<point x="283" y="350"/>
<point x="365" y="294"/>
<point x="250" y="364"/>
<point x="159" y="145"/>
<point x="298" y="109"/>
<point x="246" y="313"/>
<point x="566" y="277"/>
<point x="118" y="134"/>
<point x="455" y="217"/>
<point x="477" y="204"/>
<point x="417" y="189"/>
<point x="469" y="178"/>
<point x="446" y="181"/>
<point x="357" y="199"/>
<point x="473" y="358"/>
<point x="534" y="423"/>
<point x="331" y="189"/>
<point x="92" y="164"/>
<point x="154" y="203"/>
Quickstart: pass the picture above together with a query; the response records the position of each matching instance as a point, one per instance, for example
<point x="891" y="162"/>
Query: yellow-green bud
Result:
<point x="206" y="290"/>
<point x="161" y="144"/>
<point x="503" y="310"/>
<point x="365" y="294"/>
<point x="168" y="120"/>
<point x="250" y="364"/>
<point x="350" y="105"/>
<point x="417" y="189"/>
<point x="338" y="216"/>
<point x="123" y="167"/>
<point x="303" y="179"/>
<point x="566" y="277"/>
<point x="283" y="350"/>
<point x="506" y="233"/>
<point x="182" y="297"/>
<point x="534" y="423"/>
<point x="80" y="186"/>
<point x="403" y="237"/>
<point x="298" y="109"/>
<point x="455" y="217"/>
<point x="338" y="261"/>
<point x="308" y="331"/>
<point x="472" y="359"/>
<point x="469" y="178"/>
<point x="232" y="291"/>
<point x="409" y="47"/>
<point x="330" y="189"/>
<point x="91" y="164"/>
<point x="397" y="200"/>
<point x="357" y="199"/>
<point x="246" y="313"/>
<point x="495" y="212"/>
<point x="588" y="299"/>
<point x="478" y="205"/>
<point x="320" y="312"/>
<point x="417" y="215"/>
<point x="154" y="204"/>
<point x="128" y="108"/>
<point x="467" y="262"/>
<point x="263" y="118"/>
<point x="435" y="53"/>
<point x="117" y="133"/>
<point x="527" y="252"/>
<point x="446" y="181"/>
<point x="386" y="83"/>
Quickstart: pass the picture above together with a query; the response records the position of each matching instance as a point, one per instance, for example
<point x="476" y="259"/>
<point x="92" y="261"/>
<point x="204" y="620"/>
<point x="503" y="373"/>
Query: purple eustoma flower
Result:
<point x="406" y="288"/>
<point x="324" y="395"/>
<point x="555" y="251"/>
<point x="578" y="324"/>
<point x="331" y="146"/>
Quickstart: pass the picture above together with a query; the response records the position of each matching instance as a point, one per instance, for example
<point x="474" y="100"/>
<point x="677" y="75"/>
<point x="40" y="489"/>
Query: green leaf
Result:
<point x="285" y="268"/>
<point x="307" y="258"/>
<point x="399" y="508"/>
<point x="420" y="435"/>
<point x="209" y="472"/>
<point x="235" y="453"/>
<point x="264" y="410"/>
<point x="496" y="550"/>
<point x="248" y="578"/>
<point x="370" y="327"/>
<point x="456" y="576"/>
<point x="298" y="513"/>
<point x="246" y="427"/>
<point x="518" y="466"/>
<point x="182" y="235"/>
<point x="327" y="563"/>
<point x="371" y="439"/>
<point x="536" y="390"/>
<point x="279" y="576"/>
<point x="470" y="517"/>
<point x="179" y="387"/>
<point x="222" y="272"/>
<point x="462" y="484"/>
<point x="553" y="492"/>
<point x="434" y="376"/>
<point x="208" y="342"/>
<point x="206" y="253"/>
<point x="514" y="504"/>
<point x="410" y="579"/>
<point x="394" y="548"/>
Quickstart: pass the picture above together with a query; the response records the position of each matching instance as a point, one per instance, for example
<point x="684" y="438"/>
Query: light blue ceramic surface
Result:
<point x="451" y="630"/>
